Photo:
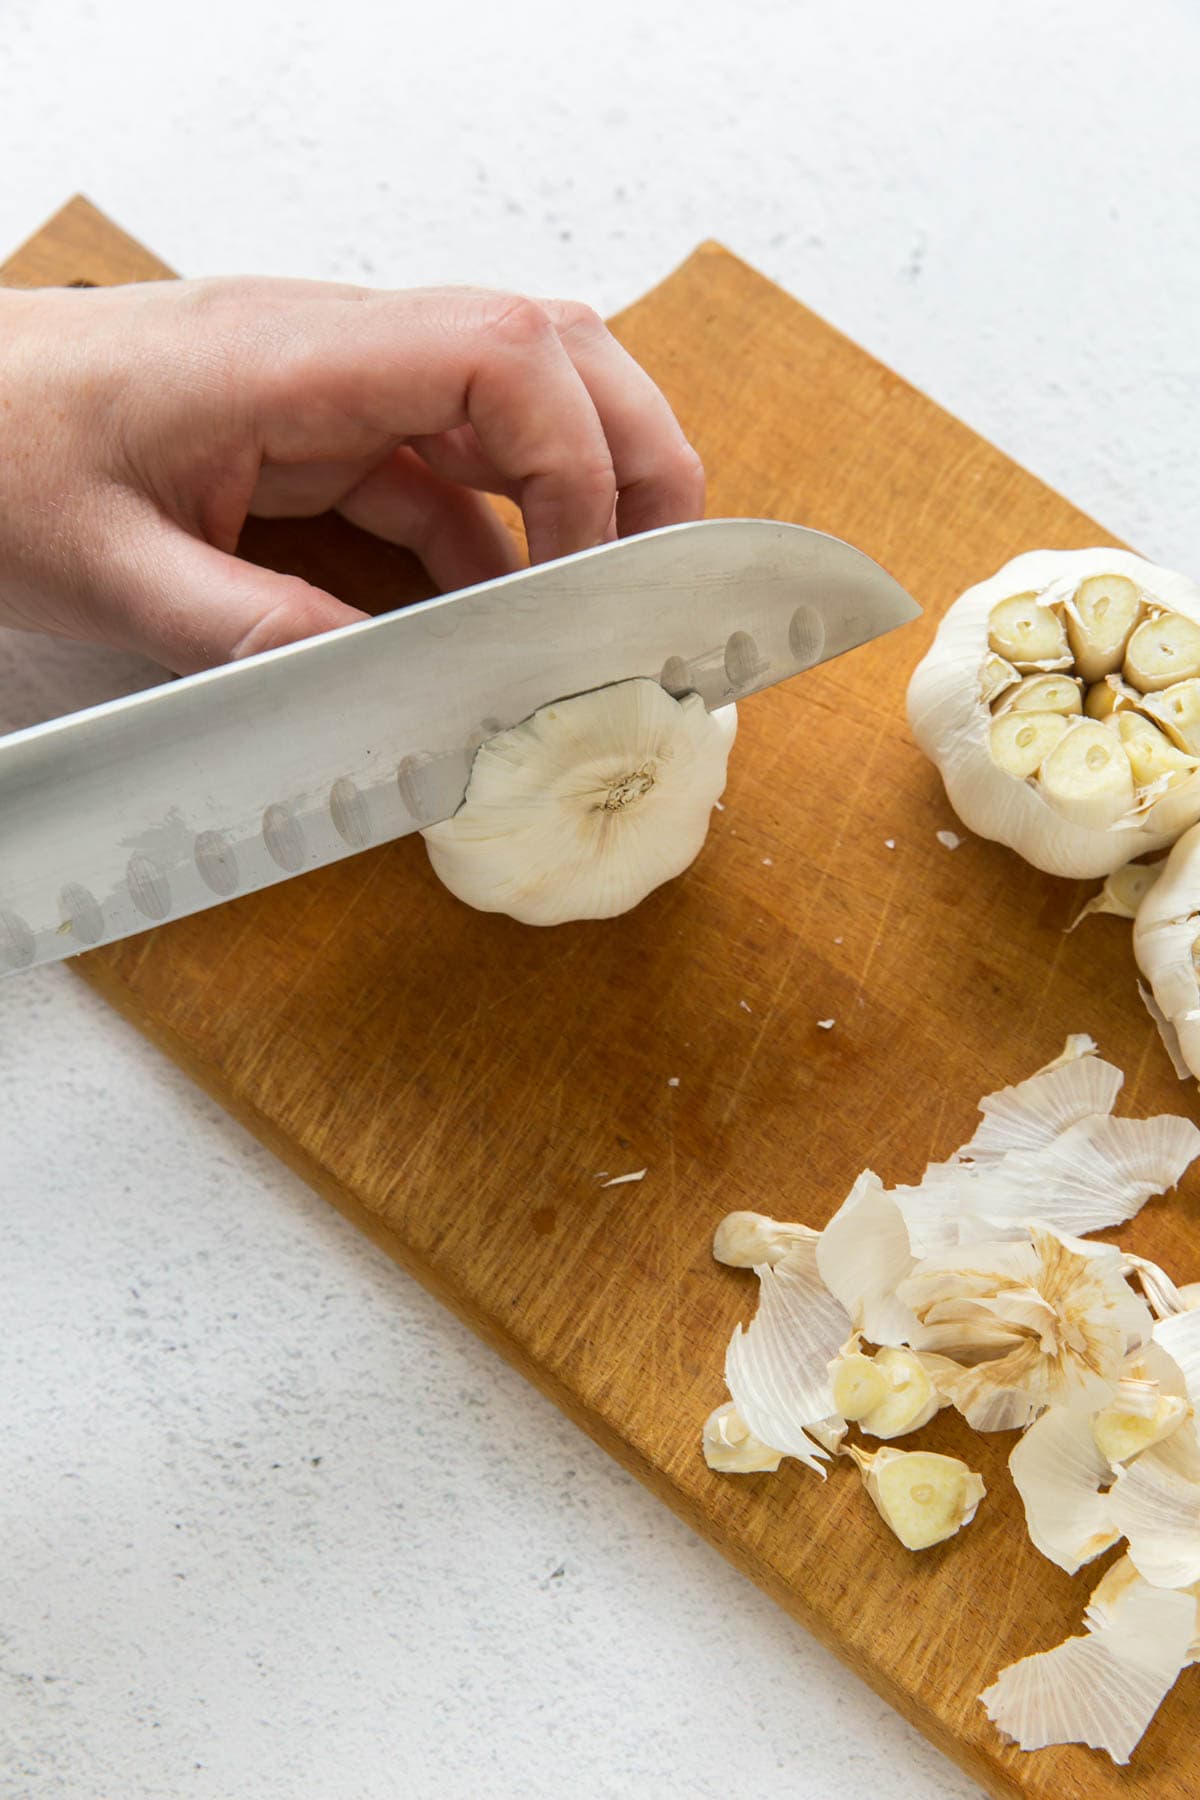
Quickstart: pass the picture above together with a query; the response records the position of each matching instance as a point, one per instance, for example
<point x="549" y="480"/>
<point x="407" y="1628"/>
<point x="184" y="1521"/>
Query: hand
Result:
<point x="140" y="426"/>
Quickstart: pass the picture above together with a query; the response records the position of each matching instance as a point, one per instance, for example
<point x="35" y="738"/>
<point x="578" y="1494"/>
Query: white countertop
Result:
<point x="275" y="1525"/>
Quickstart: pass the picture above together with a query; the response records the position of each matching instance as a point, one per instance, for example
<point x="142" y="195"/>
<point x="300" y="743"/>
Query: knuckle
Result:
<point x="575" y="319"/>
<point x="517" y="320"/>
<point x="594" y="478"/>
<point x="686" y="466"/>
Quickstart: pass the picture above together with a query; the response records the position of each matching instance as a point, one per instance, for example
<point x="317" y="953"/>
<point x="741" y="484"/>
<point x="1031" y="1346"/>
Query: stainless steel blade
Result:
<point x="177" y="798"/>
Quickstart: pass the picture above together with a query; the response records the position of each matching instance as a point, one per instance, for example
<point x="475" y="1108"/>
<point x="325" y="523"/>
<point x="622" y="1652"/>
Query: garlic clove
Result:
<point x="746" y="1240"/>
<point x="584" y="808"/>
<point x="731" y="1448"/>
<point x="1163" y="650"/>
<point x="1176" y="710"/>
<point x="1123" y="892"/>
<point x="1103" y="1689"/>
<point x="862" y="1255"/>
<point x="910" y="1399"/>
<point x="858" y="1385"/>
<point x="1021" y="742"/>
<point x="1156" y="1505"/>
<point x="995" y="677"/>
<point x="1100" y="616"/>
<point x="1030" y="636"/>
<point x="1086" y="777"/>
<point x="1112" y="695"/>
<point x="1042" y="693"/>
<point x="1121" y="1433"/>
<point x="923" y="1498"/>
<point x="777" y="1368"/>
<point x="1152" y="755"/>
<point x="1061" y="1474"/>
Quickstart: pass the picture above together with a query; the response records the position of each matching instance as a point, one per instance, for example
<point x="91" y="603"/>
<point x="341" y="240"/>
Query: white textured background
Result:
<point x="273" y="1524"/>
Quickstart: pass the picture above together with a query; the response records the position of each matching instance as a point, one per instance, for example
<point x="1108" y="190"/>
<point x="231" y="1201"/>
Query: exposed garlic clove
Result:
<point x="995" y="678"/>
<point x="1030" y="636"/>
<point x="1120" y="1434"/>
<point x="584" y="808"/>
<point x="746" y="1240"/>
<point x="858" y="1385"/>
<point x="731" y="1448"/>
<point x="1123" y="892"/>
<point x="1162" y="651"/>
<point x="1156" y="1505"/>
<point x="910" y="1399"/>
<point x="951" y="721"/>
<point x="1021" y="742"/>
<point x="1042" y="694"/>
<point x="1177" y="710"/>
<point x="1152" y="755"/>
<point x="1112" y="695"/>
<point x="922" y="1497"/>
<point x="1087" y="777"/>
<point x="1166" y="944"/>
<point x="1102" y="1689"/>
<point x="862" y="1255"/>
<point x="1100" y="616"/>
<point x="1061" y="1474"/>
<point x="777" y="1368"/>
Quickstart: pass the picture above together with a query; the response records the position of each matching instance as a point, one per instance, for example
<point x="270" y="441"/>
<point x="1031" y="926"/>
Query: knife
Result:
<point x="177" y="798"/>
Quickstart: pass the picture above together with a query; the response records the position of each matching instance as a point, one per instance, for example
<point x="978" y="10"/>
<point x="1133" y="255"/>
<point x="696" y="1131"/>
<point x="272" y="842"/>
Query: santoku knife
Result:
<point x="174" y="799"/>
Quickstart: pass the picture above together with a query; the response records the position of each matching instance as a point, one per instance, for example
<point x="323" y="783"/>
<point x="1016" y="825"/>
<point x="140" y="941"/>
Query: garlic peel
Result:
<point x="777" y="1368"/>
<point x="584" y="808"/>
<point x="951" y="721"/>
<point x="1102" y="1689"/>
<point x="1156" y="1505"/>
<point x="862" y="1256"/>
<point x="1165" y="935"/>
<point x="1179" y="1336"/>
<point x="1062" y="1478"/>
<point x="731" y="1448"/>
<point x="746" y="1240"/>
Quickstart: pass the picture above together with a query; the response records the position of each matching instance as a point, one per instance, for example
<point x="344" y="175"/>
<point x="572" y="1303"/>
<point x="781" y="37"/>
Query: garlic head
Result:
<point x="1060" y="789"/>
<point x="586" y="806"/>
<point x="1166" y="944"/>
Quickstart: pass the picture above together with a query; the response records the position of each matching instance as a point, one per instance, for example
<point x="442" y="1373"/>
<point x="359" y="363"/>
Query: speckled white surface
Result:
<point x="274" y="1525"/>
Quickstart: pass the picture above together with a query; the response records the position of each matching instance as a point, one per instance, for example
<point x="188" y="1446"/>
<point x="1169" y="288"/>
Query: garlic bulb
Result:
<point x="1074" y="795"/>
<point x="1166" y="944"/>
<point x="584" y="808"/>
<point x="922" y="1497"/>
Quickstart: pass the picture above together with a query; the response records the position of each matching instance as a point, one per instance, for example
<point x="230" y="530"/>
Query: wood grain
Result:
<point x="456" y="1083"/>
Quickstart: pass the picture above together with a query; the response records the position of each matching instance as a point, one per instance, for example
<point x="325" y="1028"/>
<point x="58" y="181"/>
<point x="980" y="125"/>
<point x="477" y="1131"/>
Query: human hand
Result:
<point x="140" y="426"/>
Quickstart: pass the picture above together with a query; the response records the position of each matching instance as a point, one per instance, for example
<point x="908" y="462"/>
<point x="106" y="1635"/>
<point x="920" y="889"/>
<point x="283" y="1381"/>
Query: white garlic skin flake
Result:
<point x="584" y="808"/>
<point x="951" y="720"/>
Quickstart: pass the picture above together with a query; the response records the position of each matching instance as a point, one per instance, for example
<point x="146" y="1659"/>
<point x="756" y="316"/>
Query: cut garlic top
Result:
<point x="584" y="808"/>
<point x="1092" y="814"/>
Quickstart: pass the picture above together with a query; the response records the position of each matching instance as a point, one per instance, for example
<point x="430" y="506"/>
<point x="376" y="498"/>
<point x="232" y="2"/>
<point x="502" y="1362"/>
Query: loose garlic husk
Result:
<point x="747" y="1240"/>
<point x="922" y="1497"/>
<point x="1166" y="944"/>
<point x="584" y="808"/>
<point x="1064" y="796"/>
<point x="1177" y="710"/>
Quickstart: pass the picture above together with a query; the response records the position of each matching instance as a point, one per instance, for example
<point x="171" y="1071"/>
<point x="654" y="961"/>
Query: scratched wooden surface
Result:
<point x="455" y="1083"/>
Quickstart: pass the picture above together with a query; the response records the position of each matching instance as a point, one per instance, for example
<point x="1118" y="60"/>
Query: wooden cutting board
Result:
<point x="457" y="1084"/>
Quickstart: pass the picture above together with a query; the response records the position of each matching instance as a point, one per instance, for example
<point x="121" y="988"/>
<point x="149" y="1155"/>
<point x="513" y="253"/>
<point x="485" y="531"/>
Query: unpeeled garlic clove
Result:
<point x="1087" y="777"/>
<point x="731" y="1448"/>
<point x="1120" y="1433"/>
<point x="1100" y="616"/>
<point x="1029" y="635"/>
<point x="1162" y="651"/>
<point x="923" y="1498"/>
<point x="746" y="1240"/>
<point x="995" y="677"/>
<point x="1152" y="755"/>
<point x="1177" y="710"/>
<point x="1123" y="892"/>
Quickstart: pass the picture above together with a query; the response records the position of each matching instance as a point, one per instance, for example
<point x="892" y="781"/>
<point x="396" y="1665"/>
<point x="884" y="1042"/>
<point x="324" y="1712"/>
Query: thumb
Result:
<point x="190" y="606"/>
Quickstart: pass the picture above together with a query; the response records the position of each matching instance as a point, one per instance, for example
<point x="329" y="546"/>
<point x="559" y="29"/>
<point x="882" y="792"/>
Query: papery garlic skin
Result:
<point x="747" y="1240"/>
<point x="1166" y="937"/>
<point x="951" y="720"/>
<point x="583" y="809"/>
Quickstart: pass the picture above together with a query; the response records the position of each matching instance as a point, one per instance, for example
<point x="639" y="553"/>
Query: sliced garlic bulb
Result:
<point x="1084" y="820"/>
<point x="1100" y="616"/>
<point x="922" y="1497"/>
<point x="731" y="1448"/>
<point x="584" y="808"/>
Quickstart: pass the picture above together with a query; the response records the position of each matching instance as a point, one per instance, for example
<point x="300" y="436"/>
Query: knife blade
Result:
<point x="182" y="796"/>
